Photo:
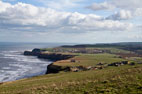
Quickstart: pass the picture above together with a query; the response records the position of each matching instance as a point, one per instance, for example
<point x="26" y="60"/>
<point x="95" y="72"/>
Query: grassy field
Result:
<point x="126" y="79"/>
<point x="111" y="49"/>
<point x="115" y="50"/>
<point x="112" y="80"/>
<point x="90" y="60"/>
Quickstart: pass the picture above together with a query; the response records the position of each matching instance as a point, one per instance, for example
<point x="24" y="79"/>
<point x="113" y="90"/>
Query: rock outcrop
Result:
<point x="118" y="63"/>
<point x="55" y="69"/>
<point x="52" y="57"/>
<point x="34" y="52"/>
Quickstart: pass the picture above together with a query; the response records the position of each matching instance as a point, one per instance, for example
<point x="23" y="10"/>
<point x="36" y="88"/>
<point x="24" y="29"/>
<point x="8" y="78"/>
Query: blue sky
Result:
<point x="71" y="21"/>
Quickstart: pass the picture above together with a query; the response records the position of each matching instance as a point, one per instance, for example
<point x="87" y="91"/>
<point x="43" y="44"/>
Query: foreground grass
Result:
<point x="125" y="79"/>
<point x="112" y="80"/>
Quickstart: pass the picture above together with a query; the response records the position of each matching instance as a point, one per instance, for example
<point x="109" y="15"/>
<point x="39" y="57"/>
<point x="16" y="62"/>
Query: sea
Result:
<point x="14" y="65"/>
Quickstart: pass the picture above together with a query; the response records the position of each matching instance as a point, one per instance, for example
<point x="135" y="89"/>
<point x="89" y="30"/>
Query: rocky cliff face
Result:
<point x="54" y="56"/>
<point x="50" y="56"/>
<point x="55" y="69"/>
<point x="34" y="52"/>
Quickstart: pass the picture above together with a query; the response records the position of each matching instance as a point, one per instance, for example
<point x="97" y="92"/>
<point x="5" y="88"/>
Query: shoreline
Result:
<point x="60" y="58"/>
<point x="54" y="57"/>
<point x="82" y="70"/>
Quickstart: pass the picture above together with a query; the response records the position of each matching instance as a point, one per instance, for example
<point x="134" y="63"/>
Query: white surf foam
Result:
<point x="22" y="66"/>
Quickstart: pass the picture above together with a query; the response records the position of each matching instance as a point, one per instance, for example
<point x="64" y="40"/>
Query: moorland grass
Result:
<point x="125" y="79"/>
<point x="112" y="80"/>
<point x="90" y="60"/>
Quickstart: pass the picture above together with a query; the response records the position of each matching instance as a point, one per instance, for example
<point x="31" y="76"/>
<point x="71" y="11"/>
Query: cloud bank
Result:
<point x="119" y="21"/>
<point x="23" y="16"/>
<point x="101" y="6"/>
<point x="121" y="15"/>
<point x="124" y="9"/>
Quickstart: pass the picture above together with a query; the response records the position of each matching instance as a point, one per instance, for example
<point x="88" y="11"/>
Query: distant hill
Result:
<point x="123" y="44"/>
<point x="130" y="46"/>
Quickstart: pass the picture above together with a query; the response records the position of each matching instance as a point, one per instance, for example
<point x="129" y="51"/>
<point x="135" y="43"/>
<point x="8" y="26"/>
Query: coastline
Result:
<point x="59" y="59"/>
<point x="54" y="57"/>
<point x="77" y="69"/>
<point x="14" y="65"/>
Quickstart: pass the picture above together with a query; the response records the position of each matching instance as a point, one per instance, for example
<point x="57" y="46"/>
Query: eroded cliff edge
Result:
<point x="51" y="68"/>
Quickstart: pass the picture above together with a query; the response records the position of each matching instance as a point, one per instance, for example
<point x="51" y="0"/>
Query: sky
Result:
<point x="71" y="21"/>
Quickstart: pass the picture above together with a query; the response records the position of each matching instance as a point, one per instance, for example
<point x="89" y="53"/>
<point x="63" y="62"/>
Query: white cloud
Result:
<point x="28" y="17"/>
<point x="3" y="6"/>
<point x="101" y="6"/>
<point x="122" y="4"/>
<point x="138" y="12"/>
<point x="126" y="9"/>
<point x="127" y="4"/>
<point x="121" y="15"/>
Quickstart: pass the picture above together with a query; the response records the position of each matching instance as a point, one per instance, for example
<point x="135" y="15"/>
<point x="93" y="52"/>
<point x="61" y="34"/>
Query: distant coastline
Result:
<point x="58" y="54"/>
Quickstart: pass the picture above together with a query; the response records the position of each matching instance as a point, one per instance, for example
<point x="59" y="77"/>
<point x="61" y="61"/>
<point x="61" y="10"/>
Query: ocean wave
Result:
<point x="22" y="67"/>
<point x="19" y="57"/>
<point x="14" y="65"/>
<point x="20" y="72"/>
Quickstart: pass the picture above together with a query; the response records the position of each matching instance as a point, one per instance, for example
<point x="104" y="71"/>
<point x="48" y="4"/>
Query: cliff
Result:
<point x="34" y="52"/>
<point x="55" y="68"/>
<point x="46" y="55"/>
<point x="52" y="57"/>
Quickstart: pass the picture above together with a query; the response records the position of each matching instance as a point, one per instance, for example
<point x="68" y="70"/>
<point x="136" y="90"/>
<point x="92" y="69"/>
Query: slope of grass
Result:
<point x="115" y="50"/>
<point x="112" y="80"/>
<point x="125" y="79"/>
